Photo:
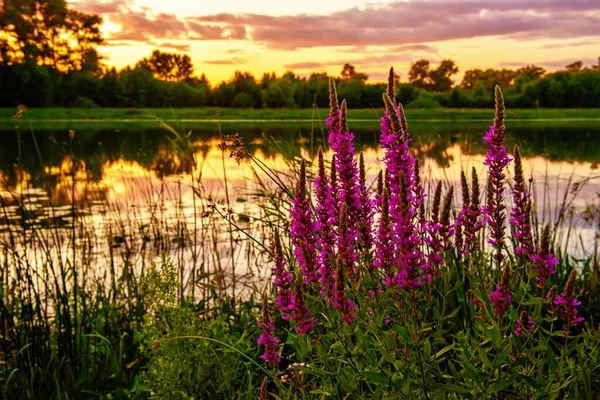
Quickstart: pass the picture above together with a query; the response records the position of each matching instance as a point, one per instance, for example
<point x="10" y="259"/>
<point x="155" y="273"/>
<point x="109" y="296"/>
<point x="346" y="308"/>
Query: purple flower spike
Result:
<point x="384" y="255"/>
<point x="501" y="298"/>
<point x="544" y="261"/>
<point x="567" y="303"/>
<point x="520" y="216"/>
<point x="496" y="160"/>
<point x="340" y="302"/>
<point x="326" y="220"/>
<point x="568" y="309"/>
<point x="524" y="323"/>
<point x="267" y="339"/>
<point x="283" y="281"/>
<point x="303" y="230"/>
<point x="305" y="323"/>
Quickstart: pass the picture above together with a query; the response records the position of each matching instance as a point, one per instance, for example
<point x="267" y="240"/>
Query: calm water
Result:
<point x="143" y="190"/>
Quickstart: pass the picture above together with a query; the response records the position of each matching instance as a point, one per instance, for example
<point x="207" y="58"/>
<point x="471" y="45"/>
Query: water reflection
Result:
<point x="147" y="192"/>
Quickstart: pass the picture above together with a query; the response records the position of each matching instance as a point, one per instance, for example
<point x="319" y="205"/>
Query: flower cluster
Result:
<point x="501" y="298"/>
<point x="496" y="160"/>
<point x="267" y="339"/>
<point x="524" y="323"/>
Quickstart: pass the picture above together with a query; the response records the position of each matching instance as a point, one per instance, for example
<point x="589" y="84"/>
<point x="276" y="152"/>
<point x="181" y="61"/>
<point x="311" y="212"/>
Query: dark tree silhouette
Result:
<point x="47" y="32"/>
<point x="168" y="66"/>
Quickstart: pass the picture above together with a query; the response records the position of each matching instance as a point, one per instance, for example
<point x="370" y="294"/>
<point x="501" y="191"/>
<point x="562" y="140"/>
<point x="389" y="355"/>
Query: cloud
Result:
<point x="416" y="22"/>
<point x="552" y="64"/>
<point x="404" y="25"/>
<point x="229" y="61"/>
<point x="306" y="65"/>
<point x="176" y="46"/>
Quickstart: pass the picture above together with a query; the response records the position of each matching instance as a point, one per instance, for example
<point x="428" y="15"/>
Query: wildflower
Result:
<point x="384" y="254"/>
<point x="324" y="224"/>
<point x="520" y="216"/>
<point x="462" y="216"/>
<point x="340" y="302"/>
<point x="496" y="160"/>
<point x="303" y="230"/>
<point x="524" y="322"/>
<point x="567" y="303"/>
<point x="471" y="222"/>
<point x="365" y="219"/>
<point x="301" y="313"/>
<point x="282" y="281"/>
<point x="444" y="229"/>
<point x="410" y="257"/>
<point x="433" y="238"/>
<point x="544" y="261"/>
<point x="341" y="141"/>
<point x="266" y="338"/>
<point x="501" y="298"/>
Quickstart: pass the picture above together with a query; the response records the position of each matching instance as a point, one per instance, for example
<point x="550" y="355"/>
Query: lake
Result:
<point x="142" y="193"/>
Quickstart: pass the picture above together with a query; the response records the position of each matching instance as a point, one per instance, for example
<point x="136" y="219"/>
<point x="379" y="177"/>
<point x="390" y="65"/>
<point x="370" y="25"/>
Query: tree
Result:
<point x="47" y="32"/>
<point x="530" y="73"/>
<point x="349" y="73"/>
<point x="574" y="66"/>
<point x="440" y="77"/>
<point x="168" y="66"/>
<point x="418" y="75"/>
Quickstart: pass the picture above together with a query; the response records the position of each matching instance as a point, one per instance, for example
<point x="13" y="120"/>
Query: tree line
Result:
<point x="49" y="57"/>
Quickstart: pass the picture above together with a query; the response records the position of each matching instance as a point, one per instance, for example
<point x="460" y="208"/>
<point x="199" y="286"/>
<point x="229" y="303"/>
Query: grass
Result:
<point x="224" y="114"/>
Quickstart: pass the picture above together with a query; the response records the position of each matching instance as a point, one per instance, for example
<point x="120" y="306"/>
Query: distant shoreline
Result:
<point x="234" y="115"/>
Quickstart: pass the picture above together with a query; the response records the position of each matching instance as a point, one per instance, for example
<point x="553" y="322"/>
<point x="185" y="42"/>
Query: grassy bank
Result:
<point x="224" y="114"/>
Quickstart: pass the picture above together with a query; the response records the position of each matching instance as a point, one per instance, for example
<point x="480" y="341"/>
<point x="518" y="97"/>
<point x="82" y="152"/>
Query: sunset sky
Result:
<point x="321" y="35"/>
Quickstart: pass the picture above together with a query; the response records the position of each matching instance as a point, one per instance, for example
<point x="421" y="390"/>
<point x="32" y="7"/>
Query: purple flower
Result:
<point x="283" y="280"/>
<point x="524" y="322"/>
<point x="520" y="216"/>
<point x="384" y="253"/>
<point x="544" y="261"/>
<point x="340" y="301"/>
<point x="326" y="220"/>
<point x="567" y="308"/>
<point x="267" y="339"/>
<point x="366" y="211"/>
<point x="305" y="323"/>
<point x="501" y="298"/>
<point x="303" y="230"/>
<point x="496" y="160"/>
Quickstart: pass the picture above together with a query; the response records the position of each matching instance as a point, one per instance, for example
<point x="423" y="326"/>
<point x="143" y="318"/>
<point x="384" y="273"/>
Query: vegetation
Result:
<point x="439" y="312"/>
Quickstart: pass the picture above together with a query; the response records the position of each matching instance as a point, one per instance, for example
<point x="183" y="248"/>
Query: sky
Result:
<point x="322" y="35"/>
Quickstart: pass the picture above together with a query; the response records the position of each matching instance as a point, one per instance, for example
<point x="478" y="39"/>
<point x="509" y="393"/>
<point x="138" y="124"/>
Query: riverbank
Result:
<point x="214" y="114"/>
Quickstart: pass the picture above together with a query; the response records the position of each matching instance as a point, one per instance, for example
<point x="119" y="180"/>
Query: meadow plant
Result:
<point x="391" y="301"/>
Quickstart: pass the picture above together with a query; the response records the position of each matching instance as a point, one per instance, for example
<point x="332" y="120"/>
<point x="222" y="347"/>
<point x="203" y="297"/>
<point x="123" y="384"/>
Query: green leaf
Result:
<point x="376" y="377"/>
<point x="551" y="359"/>
<point x="427" y="349"/>
<point x="448" y="387"/>
<point x="444" y="350"/>
<point x="484" y="358"/>
<point x="348" y="382"/>
<point x="531" y="382"/>
<point x="453" y="313"/>
<point x="390" y="341"/>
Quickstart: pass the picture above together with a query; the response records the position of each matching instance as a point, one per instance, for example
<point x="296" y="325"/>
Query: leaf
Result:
<point x="390" y="341"/>
<point x="448" y="387"/>
<point x="531" y="382"/>
<point x="348" y="382"/>
<point x="484" y="358"/>
<point x="453" y="313"/>
<point x="376" y="377"/>
<point x="444" y="350"/>
<point x="551" y="359"/>
<point x="427" y="349"/>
